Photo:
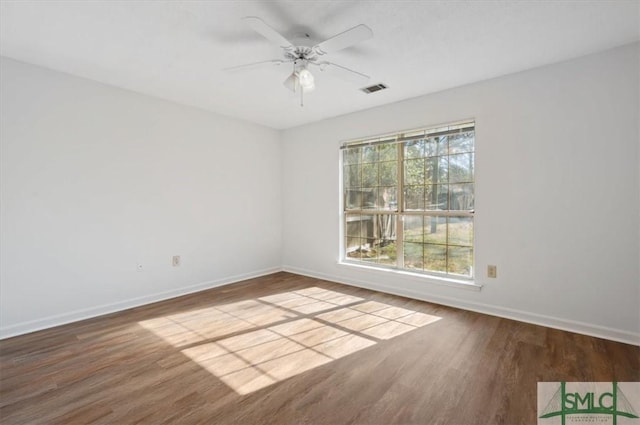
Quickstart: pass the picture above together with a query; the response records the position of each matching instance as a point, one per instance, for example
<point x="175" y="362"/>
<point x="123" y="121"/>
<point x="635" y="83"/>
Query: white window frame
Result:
<point x="400" y="139"/>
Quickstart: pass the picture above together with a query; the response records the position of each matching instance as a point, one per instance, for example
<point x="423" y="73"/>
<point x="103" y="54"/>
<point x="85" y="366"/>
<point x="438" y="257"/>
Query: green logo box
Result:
<point x="576" y="403"/>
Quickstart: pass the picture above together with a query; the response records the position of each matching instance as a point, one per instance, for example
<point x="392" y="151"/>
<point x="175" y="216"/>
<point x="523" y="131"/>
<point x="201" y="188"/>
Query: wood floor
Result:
<point x="287" y="349"/>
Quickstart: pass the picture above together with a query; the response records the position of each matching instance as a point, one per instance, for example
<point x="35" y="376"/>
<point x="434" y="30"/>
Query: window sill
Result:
<point x="437" y="280"/>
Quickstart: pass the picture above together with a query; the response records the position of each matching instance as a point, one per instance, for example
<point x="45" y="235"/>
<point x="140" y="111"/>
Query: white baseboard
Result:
<point x="88" y="313"/>
<point x="521" y="316"/>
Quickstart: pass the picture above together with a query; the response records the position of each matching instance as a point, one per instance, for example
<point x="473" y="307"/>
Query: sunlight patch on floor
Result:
<point x="254" y="343"/>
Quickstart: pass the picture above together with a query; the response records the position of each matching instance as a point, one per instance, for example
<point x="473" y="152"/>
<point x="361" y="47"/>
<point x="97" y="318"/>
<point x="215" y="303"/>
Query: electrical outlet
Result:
<point x="139" y="267"/>
<point x="492" y="271"/>
<point x="175" y="261"/>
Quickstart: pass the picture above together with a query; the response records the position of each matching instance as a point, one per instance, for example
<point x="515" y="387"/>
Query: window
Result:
<point x="409" y="201"/>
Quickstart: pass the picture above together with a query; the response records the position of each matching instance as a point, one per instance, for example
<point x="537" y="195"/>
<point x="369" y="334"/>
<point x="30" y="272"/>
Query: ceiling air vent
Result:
<point x="374" y="88"/>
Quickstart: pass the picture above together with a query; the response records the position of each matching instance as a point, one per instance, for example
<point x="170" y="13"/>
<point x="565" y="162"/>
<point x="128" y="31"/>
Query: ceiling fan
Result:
<point x="302" y="57"/>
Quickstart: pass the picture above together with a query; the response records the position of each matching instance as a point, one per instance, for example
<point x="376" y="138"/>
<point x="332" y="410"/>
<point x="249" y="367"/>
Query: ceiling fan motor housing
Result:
<point x="301" y="53"/>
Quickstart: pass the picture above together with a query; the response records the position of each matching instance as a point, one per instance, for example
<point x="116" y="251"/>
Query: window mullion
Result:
<point x="446" y="220"/>
<point x="400" y="200"/>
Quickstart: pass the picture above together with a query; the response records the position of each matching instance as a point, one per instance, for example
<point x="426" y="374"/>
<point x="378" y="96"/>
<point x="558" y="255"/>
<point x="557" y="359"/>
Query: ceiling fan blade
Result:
<point x="343" y="72"/>
<point x="253" y="64"/>
<point x="345" y="39"/>
<point x="261" y="27"/>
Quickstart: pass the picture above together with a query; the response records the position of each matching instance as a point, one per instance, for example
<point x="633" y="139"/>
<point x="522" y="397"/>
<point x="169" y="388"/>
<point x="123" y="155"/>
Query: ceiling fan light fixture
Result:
<point x="306" y="79"/>
<point x="302" y="79"/>
<point x="291" y="82"/>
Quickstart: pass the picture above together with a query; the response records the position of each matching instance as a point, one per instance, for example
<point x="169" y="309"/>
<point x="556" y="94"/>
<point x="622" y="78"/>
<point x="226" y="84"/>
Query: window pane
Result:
<point x="414" y="149"/>
<point x="352" y="176"/>
<point x="371" y="238"/>
<point x="460" y="260"/>
<point x="414" y="171"/>
<point x="352" y="156"/>
<point x="388" y="152"/>
<point x="366" y="226"/>
<point x="352" y="229"/>
<point x="352" y="199"/>
<point x="436" y="169"/>
<point x="413" y="256"/>
<point x="414" y="198"/>
<point x="369" y="252"/>
<point x="412" y="228"/>
<point x="388" y="173"/>
<point x="461" y="197"/>
<point x="436" y="146"/>
<point x="461" y="143"/>
<point x="384" y="228"/>
<point x="387" y="198"/>
<point x="352" y="247"/>
<point x="388" y="254"/>
<point x="370" y="174"/>
<point x="368" y="196"/>
<point x="461" y="168"/>
<point x="385" y="238"/>
<point x="435" y="229"/>
<point x="437" y="197"/>
<point x="461" y="231"/>
<point x="435" y="258"/>
<point x="443" y="170"/>
<point x="352" y="252"/>
<point x="369" y="154"/>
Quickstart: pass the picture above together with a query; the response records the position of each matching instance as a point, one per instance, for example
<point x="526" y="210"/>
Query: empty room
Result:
<point x="320" y="212"/>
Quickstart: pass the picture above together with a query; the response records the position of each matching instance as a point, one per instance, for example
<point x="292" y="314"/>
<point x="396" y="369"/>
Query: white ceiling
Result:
<point x="176" y="49"/>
